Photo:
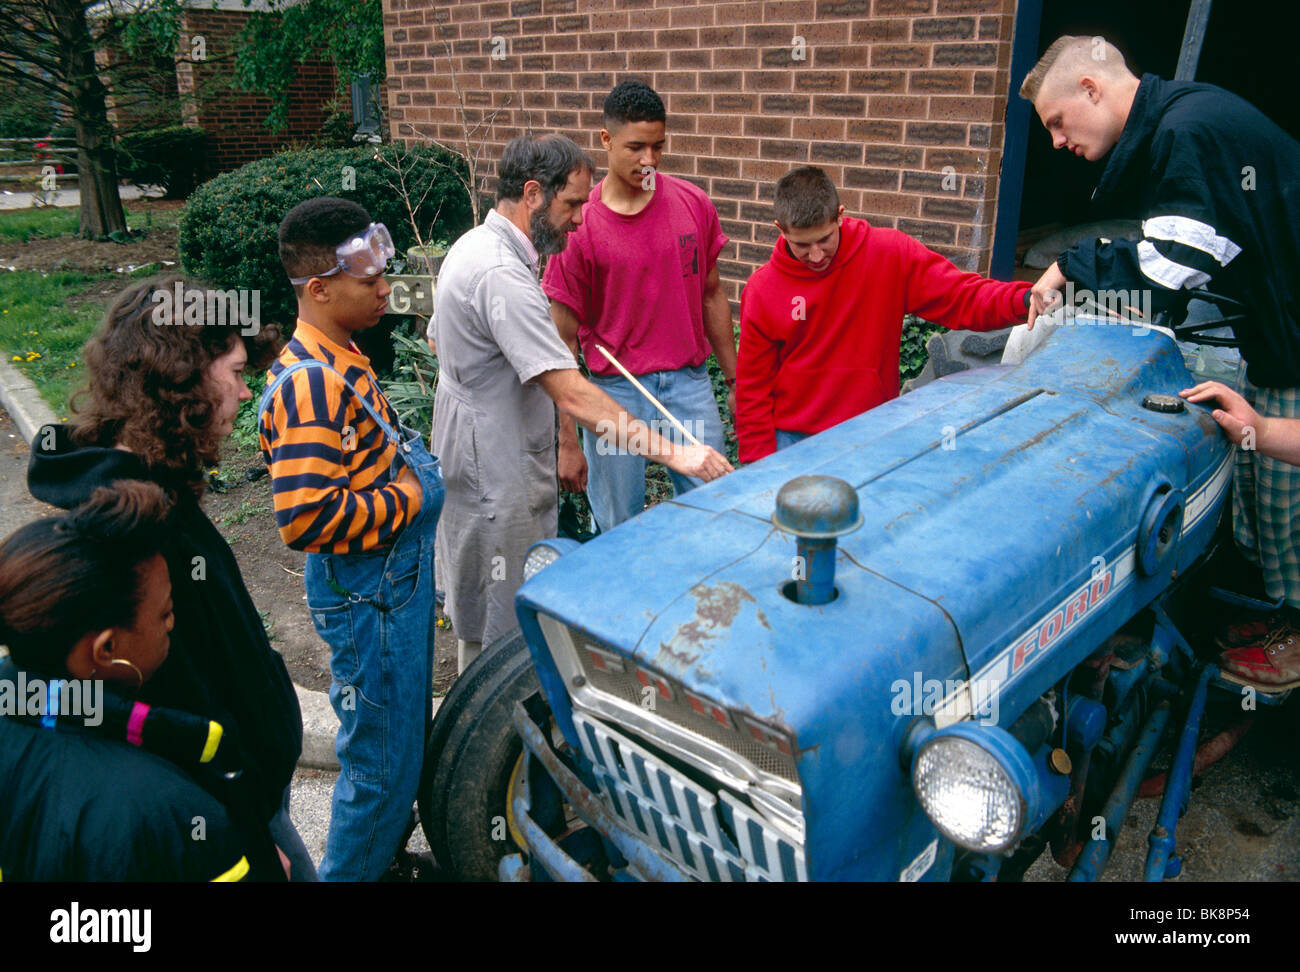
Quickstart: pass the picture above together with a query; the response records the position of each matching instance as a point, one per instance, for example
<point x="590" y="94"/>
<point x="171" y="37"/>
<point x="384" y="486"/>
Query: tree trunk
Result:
<point x="101" y="206"/>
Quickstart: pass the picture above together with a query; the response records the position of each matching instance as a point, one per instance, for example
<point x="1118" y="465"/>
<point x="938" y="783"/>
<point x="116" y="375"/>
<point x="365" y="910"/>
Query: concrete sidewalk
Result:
<point x="63" y="198"/>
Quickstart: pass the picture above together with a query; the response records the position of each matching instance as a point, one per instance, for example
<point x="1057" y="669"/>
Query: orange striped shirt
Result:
<point x="333" y="475"/>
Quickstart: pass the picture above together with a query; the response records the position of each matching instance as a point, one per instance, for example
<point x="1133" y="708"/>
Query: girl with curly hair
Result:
<point x="161" y="398"/>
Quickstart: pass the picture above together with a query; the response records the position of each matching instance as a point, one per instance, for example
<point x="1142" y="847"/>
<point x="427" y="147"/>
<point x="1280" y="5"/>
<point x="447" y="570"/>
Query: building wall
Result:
<point x="233" y="118"/>
<point x="901" y="101"/>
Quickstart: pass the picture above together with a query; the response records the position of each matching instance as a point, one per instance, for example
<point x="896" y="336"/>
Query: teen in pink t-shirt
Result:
<point x="639" y="277"/>
<point x="636" y="283"/>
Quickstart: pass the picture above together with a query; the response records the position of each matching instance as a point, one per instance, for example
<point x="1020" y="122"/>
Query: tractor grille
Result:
<point x="766" y="748"/>
<point x="714" y="837"/>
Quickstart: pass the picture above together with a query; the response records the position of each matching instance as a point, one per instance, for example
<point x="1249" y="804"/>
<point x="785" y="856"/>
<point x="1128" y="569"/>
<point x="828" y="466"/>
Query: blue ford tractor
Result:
<point x="926" y="644"/>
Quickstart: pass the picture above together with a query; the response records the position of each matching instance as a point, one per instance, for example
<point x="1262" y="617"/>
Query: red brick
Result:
<point x="700" y="15"/>
<point x="783" y="150"/>
<point x="943" y="28"/>
<point x="984" y="53"/>
<point x="736" y="57"/>
<point x="764" y="171"/>
<point x="713" y="166"/>
<point x="871" y="178"/>
<point x="966" y="109"/>
<point x="694" y="103"/>
<point x="892" y="203"/>
<point x="776" y="126"/>
<point x="648" y="60"/>
<point x="891" y="106"/>
<point x="877" y="81"/>
<point x="878" y="29"/>
<point x="788" y="11"/>
<point x="692" y="60"/>
<point x="928" y="232"/>
<point x="875" y="130"/>
<point x="960" y="159"/>
<point x="766" y="80"/>
<point x="820" y="128"/>
<point x="833" y="56"/>
<point x="734" y="13"/>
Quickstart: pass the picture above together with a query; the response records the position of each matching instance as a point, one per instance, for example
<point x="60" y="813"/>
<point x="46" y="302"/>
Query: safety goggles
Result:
<point x="363" y="255"/>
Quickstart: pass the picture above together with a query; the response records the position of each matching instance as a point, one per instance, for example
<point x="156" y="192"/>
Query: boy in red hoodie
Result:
<point x="820" y="322"/>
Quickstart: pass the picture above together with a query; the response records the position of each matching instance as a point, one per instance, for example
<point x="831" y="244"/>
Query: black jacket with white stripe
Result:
<point x="1217" y="186"/>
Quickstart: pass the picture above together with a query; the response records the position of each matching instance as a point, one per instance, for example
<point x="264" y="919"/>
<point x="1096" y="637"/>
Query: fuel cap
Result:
<point x="1163" y="403"/>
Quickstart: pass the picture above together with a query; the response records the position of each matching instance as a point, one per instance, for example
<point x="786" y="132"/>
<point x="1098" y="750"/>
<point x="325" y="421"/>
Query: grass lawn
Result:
<point x="42" y="328"/>
<point x="49" y="222"/>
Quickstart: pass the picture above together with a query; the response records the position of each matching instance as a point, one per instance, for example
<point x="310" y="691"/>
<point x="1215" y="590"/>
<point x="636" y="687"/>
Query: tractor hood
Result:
<point x="989" y="499"/>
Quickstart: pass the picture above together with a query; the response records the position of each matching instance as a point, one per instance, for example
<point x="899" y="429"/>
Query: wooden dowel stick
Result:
<point x="653" y="401"/>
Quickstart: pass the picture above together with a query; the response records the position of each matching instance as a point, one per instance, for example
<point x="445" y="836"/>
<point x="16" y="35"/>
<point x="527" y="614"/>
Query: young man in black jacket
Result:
<point x="1217" y="186"/>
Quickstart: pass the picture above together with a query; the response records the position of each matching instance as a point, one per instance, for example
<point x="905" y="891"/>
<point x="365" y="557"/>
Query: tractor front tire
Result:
<point x="472" y="757"/>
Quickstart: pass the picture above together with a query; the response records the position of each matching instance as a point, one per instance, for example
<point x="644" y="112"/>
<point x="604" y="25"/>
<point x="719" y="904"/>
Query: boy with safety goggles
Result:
<point x="360" y="493"/>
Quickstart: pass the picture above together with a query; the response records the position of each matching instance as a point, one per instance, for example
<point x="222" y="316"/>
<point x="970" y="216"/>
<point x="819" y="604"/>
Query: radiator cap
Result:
<point x="1163" y="403"/>
<point x="817" y="508"/>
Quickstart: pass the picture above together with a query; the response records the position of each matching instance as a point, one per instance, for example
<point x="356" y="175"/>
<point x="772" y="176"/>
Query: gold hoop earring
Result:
<point x="138" y="674"/>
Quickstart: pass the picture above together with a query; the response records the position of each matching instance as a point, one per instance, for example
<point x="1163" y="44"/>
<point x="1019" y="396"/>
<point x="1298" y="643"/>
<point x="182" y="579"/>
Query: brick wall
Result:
<point x="232" y="118"/>
<point x="138" y="97"/>
<point x="901" y="101"/>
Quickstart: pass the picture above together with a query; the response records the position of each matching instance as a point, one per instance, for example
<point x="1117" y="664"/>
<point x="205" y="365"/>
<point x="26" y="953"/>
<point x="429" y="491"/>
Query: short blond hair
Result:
<point x="1071" y="57"/>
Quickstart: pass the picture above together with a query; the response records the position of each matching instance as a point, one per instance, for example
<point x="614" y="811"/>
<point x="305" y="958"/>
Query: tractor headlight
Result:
<point x="977" y="785"/>
<point x="546" y="552"/>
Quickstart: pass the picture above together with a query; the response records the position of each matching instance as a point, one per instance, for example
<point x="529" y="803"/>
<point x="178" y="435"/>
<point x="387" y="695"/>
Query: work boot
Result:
<point x="1270" y="664"/>
<point x="1245" y="633"/>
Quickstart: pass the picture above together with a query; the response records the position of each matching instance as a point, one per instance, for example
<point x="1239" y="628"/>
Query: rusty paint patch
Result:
<point x="720" y="603"/>
<point x="716" y="609"/>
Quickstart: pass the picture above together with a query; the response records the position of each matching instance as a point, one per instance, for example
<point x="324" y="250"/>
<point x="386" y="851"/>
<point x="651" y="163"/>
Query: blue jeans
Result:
<point x="376" y="612"/>
<point x="786" y="439"/>
<point x="616" y="478"/>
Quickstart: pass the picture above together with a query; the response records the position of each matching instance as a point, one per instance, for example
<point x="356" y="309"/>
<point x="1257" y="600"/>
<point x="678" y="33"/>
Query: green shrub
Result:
<point x="415" y="377"/>
<point x="337" y="130"/>
<point x="912" y="355"/>
<point x="228" y="232"/>
<point x="174" y="158"/>
<point x="246" y="433"/>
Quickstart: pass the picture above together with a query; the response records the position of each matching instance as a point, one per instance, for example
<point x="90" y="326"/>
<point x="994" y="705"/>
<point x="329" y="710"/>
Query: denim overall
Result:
<point x="376" y="612"/>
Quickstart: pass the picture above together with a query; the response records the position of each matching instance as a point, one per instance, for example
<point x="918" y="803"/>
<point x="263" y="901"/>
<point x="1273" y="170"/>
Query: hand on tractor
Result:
<point x="1277" y="438"/>
<point x="1046" y="293"/>
<point x="700" y="461"/>
<point x="1235" y="415"/>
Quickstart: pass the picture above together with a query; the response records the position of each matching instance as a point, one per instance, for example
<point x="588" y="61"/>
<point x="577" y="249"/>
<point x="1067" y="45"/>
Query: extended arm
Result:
<point x="937" y="291"/>
<point x="595" y="410"/>
<point x="1183" y="246"/>
<point x="1277" y="438"/>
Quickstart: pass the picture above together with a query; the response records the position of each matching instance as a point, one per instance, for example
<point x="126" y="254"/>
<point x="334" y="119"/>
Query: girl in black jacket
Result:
<point x="163" y="393"/>
<point x="96" y="785"/>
